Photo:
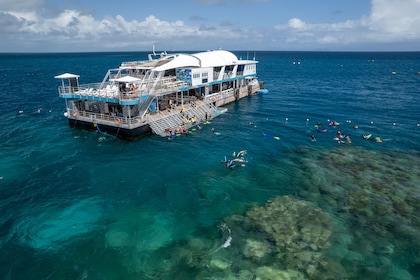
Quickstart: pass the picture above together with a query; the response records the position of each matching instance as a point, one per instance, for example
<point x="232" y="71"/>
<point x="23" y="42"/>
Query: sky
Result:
<point x="197" y="25"/>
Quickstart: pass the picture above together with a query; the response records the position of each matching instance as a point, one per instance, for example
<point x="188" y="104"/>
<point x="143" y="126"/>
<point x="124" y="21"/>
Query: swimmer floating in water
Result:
<point x="272" y="136"/>
<point x="371" y="138"/>
<point x="171" y="135"/>
<point x="214" y="131"/>
<point x="239" y="154"/>
<point x="319" y="128"/>
<point x="231" y="164"/>
<point x="238" y="160"/>
<point x="334" y="123"/>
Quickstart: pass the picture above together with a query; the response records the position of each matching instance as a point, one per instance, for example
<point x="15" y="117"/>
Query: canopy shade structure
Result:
<point x="216" y="58"/>
<point x="127" y="79"/>
<point x="67" y="76"/>
<point x="179" y="61"/>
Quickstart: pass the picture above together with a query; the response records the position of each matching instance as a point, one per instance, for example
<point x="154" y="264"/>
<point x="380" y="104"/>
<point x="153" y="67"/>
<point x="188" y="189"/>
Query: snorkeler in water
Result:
<point x="371" y="138"/>
<point x="238" y="160"/>
<point x="229" y="163"/>
<point x="239" y="154"/>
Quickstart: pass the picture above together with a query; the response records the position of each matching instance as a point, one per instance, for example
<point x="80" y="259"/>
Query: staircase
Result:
<point x="161" y="123"/>
<point x="141" y="109"/>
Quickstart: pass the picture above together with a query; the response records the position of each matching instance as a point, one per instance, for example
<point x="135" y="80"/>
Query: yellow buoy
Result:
<point x="393" y="72"/>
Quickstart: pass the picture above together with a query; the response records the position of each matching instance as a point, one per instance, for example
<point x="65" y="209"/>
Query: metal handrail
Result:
<point x="108" y="119"/>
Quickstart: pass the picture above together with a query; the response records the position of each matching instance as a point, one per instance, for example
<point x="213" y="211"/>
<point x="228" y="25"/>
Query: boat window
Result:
<point x="170" y="72"/>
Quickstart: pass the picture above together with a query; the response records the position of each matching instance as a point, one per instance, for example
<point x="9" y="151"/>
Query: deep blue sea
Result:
<point x="79" y="205"/>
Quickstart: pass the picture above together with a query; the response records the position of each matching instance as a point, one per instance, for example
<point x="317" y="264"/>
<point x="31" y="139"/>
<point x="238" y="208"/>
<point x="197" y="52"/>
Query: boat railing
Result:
<point x="228" y="75"/>
<point x="80" y="89"/>
<point x="133" y="63"/>
<point x="214" y="97"/>
<point x="161" y="86"/>
<point x="227" y="93"/>
<point x="110" y="90"/>
<point x="109" y="119"/>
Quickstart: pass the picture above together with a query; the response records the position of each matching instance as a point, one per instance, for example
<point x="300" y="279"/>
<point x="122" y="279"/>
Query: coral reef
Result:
<point x="297" y="231"/>
<point x="355" y="217"/>
<point x="269" y="273"/>
<point x="291" y="223"/>
<point x="283" y="239"/>
<point x="376" y="195"/>
<point x="255" y="249"/>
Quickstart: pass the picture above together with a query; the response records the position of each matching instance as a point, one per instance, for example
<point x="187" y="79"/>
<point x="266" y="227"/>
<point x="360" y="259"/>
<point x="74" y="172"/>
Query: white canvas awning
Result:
<point x="127" y="79"/>
<point x="67" y="76"/>
<point x="179" y="61"/>
<point x="216" y="58"/>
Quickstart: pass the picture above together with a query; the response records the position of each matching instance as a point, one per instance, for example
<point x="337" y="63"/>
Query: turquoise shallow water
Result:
<point x="77" y="205"/>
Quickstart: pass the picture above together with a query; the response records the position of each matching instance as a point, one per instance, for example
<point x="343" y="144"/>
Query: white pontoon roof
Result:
<point x="179" y="60"/>
<point x="216" y="58"/>
<point x="202" y="59"/>
<point x="67" y="76"/>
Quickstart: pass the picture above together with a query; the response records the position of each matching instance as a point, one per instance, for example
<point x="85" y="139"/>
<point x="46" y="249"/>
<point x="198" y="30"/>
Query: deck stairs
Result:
<point x="162" y="122"/>
<point x="141" y="109"/>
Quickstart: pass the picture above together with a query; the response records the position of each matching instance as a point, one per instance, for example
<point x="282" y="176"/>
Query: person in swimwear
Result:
<point x="347" y="137"/>
<point x="334" y="123"/>
<point x="229" y="163"/>
<point x="239" y="154"/>
<point x="371" y="138"/>
<point x="323" y="130"/>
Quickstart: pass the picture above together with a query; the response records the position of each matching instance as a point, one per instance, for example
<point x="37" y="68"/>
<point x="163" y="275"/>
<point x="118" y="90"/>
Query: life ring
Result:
<point x="118" y="120"/>
<point x="74" y="113"/>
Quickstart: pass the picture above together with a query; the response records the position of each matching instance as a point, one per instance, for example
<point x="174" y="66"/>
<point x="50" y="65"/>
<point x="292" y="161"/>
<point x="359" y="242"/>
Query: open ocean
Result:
<point x="78" y="205"/>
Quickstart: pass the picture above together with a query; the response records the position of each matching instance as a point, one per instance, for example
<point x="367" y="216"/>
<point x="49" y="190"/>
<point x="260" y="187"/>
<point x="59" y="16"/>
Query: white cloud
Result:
<point x="389" y="21"/>
<point x="73" y="24"/>
<point x="297" y="24"/>
<point x="80" y="31"/>
<point x="26" y="23"/>
<point x="401" y="18"/>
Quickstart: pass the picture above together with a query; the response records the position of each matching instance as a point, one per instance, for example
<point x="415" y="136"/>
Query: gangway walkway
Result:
<point x="175" y="119"/>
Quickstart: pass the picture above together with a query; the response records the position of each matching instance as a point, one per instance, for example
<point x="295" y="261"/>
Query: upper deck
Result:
<point x="135" y="81"/>
<point x="127" y="95"/>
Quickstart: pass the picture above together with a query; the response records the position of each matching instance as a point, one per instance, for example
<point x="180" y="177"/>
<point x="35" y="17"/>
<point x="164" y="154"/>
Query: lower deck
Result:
<point x="168" y="115"/>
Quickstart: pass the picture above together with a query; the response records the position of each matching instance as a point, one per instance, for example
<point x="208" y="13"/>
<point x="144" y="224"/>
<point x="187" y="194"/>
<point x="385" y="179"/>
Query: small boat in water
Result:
<point x="171" y="92"/>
